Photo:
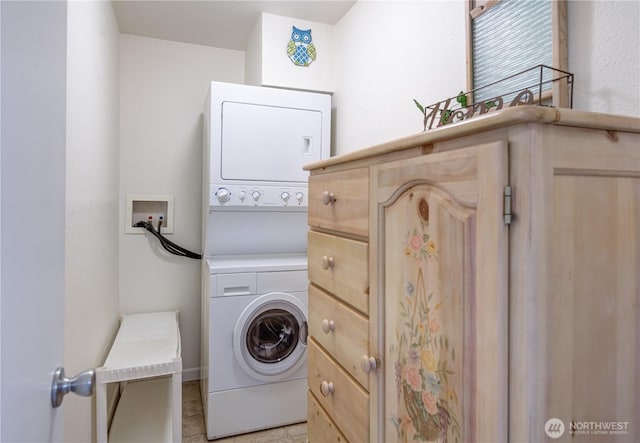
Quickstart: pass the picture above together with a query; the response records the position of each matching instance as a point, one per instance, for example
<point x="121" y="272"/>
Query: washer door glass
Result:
<point x="273" y="335"/>
<point x="270" y="336"/>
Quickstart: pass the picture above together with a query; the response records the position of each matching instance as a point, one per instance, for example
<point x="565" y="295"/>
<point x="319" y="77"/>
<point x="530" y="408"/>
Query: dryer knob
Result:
<point x="223" y="195"/>
<point x="255" y="195"/>
<point x="299" y="196"/>
<point x="285" y="196"/>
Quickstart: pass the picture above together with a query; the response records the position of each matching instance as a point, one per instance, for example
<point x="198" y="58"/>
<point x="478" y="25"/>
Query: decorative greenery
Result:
<point x="462" y="99"/>
<point x="423" y="111"/>
<point x="446" y="114"/>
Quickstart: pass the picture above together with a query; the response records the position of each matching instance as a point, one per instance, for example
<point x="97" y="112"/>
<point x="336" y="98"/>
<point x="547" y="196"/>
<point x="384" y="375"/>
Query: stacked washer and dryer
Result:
<point x="254" y="301"/>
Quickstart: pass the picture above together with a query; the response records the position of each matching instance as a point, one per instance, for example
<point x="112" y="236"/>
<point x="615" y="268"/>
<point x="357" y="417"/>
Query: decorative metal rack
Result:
<point x="455" y="109"/>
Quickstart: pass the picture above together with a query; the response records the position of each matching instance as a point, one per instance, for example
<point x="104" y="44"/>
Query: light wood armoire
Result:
<point x="479" y="283"/>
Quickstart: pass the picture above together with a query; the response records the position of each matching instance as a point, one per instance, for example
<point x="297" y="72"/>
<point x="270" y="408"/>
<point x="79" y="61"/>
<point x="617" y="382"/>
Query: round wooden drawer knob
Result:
<point x="328" y="326"/>
<point x="327" y="262"/>
<point x="328" y="198"/>
<point x="368" y="364"/>
<point x="326" y="387"/>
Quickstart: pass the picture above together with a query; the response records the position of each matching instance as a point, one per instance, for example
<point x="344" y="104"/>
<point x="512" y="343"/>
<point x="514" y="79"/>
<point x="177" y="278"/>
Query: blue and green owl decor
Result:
<point x="301" y="49"/>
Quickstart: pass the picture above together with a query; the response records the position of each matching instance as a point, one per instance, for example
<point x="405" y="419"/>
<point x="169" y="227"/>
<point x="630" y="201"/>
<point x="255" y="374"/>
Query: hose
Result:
<point x="166" y="243"/>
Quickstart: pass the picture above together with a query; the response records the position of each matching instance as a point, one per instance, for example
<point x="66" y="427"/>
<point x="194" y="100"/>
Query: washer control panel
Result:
<point x="263" y="196"/>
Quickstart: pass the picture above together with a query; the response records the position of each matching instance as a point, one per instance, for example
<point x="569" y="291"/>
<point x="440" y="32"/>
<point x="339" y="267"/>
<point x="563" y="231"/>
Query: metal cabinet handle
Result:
<point x="326" y="387"/>
<point x="368" y="364"/>
<point x="328" y="197"/>
<point x="328" y="326"/>
<point x="327" y="262"/>
<point x="83" y="384"/>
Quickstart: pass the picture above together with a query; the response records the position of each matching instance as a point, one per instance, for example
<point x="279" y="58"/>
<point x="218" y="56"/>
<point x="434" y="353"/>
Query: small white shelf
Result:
<point x="144" y="413"/>
<point x="146" y="347"/>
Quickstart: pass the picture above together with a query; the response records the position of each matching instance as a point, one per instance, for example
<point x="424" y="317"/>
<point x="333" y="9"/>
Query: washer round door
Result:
<point x="270" y="336"/>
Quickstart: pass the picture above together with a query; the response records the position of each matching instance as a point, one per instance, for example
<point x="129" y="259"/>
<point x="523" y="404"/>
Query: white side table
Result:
<point x="145" y="352"/>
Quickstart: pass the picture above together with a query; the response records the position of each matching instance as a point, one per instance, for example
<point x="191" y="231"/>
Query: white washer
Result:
<point x="257" y="317"/>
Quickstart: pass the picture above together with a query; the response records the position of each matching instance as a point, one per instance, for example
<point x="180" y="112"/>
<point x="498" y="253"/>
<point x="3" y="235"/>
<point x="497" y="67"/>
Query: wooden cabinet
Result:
<point x="341" y="331"/>
<point x="442" y="259"/>
<point x="346" y="402"/>
<point x="340" y="266"/>
<point x="340" y="201"/>
<point x="503" y="290"/>
<point x="338" y="306"/>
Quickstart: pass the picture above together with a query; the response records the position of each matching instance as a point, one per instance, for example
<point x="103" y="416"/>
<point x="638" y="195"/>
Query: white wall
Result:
<point x="92" y="198"/>
<point x="390" y="52"/>
<point x="604" y="37"/>
<point x="277" y="68"/>
<point x="163" y="88"/>
<point x="386" y="54"/>
<point x="253" y="56"/>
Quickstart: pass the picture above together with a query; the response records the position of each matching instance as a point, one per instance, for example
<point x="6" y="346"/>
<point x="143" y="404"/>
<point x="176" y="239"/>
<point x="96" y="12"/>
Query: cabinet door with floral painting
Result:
<point x="439" y="311"/>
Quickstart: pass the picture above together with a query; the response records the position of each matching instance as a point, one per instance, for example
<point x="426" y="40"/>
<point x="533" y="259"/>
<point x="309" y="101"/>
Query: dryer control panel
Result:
<point x="221" y="196"/>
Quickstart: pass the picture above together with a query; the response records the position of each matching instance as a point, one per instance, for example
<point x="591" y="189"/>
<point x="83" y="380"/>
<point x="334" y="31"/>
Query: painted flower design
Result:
<point x="413" y="378"/>
<point x="429" y="361"/>
<point x="430" y="403"/>
<point x="416" y="242"/>
<point x="424" y="358"/>
<point x="433" y="384"/>
<point x="431" y="248"/>
<point x="420" y="246"/>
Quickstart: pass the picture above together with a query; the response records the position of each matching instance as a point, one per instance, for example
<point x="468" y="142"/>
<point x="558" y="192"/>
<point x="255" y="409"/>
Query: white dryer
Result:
<point x="257" y="315"/>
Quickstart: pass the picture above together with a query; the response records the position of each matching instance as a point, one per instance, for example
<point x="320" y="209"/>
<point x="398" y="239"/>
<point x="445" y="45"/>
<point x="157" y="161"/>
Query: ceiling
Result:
<point x="223" y="24"/>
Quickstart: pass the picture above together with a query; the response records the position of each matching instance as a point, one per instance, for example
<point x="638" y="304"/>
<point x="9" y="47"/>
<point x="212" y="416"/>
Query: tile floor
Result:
<point x="193" y="430"/>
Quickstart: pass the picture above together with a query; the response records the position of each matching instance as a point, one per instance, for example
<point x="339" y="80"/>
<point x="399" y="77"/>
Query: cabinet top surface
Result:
<point x="491" y="120"/>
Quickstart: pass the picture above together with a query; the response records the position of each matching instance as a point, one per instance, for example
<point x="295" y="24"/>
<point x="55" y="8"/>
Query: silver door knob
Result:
<point x="82" y="384"/>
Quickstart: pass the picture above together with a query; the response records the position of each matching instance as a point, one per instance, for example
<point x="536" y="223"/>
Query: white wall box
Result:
<point x="141" y="207"/>
<point x="145" y="359"/>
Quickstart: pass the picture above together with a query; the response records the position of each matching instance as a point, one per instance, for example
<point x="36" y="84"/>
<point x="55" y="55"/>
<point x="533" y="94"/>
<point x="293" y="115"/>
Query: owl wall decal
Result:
<point x="301" y="49"/>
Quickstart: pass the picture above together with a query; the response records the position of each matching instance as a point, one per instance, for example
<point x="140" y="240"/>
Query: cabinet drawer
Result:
<point x="339" y="266"/>
<point x="320" y="427"/>
<point x="347" y="403"/>
<point x="343" y="332"/>
<point x="349" y="209"/>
